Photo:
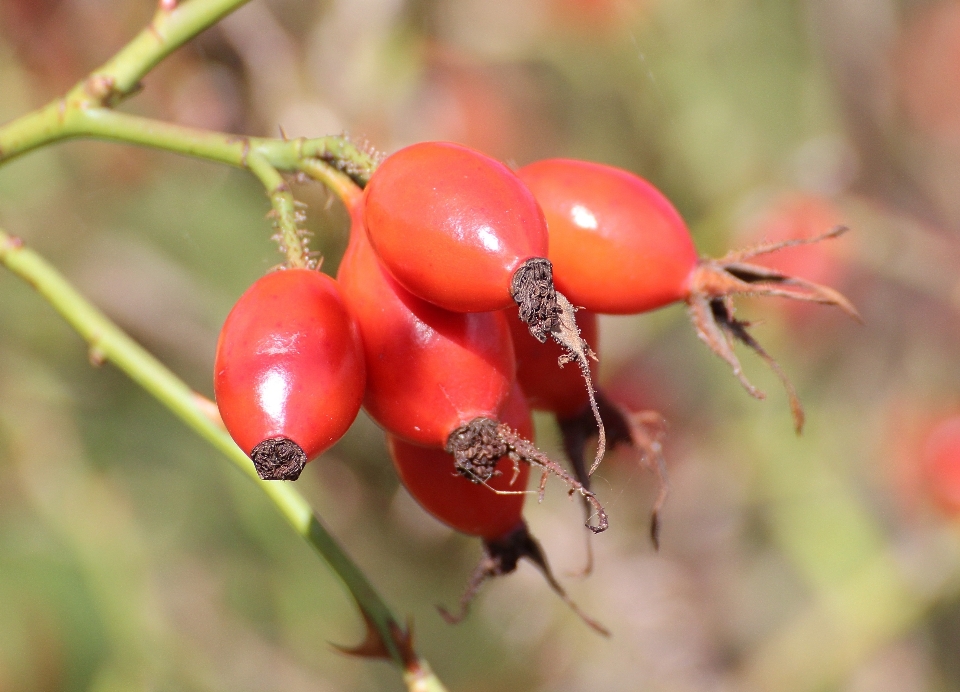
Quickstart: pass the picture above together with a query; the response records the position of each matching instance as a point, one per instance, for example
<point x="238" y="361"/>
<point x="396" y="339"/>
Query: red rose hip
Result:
<point x="619" y="246"/>
<point x="491" y="510"/>
<point x="436" y="377"/>
<point x="429" y="370"/>
<point x="428" y="473"/>
<point x="460" y="230"/>
<point x="289" y="373"/>
<point x="453" y="225"/>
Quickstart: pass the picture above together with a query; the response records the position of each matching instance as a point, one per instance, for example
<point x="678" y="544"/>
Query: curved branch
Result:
<point x="60" y="120"/>
<point x="172" y="25"/>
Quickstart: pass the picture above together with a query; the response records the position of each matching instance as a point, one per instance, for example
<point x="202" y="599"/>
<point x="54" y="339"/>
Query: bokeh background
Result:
<point x="133" y="558"/>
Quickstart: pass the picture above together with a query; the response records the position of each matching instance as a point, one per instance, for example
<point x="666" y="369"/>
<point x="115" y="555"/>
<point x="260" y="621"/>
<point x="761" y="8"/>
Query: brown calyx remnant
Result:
<point x="500" y="557"/>
<point x="711" y="310"/>
<point x="278" y="459"/>
<point x="532" y="289"/>
<point x="547" y="312"/>
<point x="478" y="446"/>
<point x="577" y="350"/>
<point x="642" y="431"/>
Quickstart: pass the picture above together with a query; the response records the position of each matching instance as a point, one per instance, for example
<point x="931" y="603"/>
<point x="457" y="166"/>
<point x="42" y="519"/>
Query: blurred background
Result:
<point x="132" y="557"/>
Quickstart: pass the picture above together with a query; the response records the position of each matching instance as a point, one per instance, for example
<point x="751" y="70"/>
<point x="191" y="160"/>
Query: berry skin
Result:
<point x="429" y="370"/>
<point x="453" y="225"/>
<point x="289" y="373"/>
<point x="617" y="245"/>
<point x="472" y="508"/>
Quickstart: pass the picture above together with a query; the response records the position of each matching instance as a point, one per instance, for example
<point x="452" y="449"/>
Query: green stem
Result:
<point x="291" y="238"/>
<point x="263" y="157"/>
<point x="110" y="125"/>
<point x="109" y="342"/>
<point x="173" y="25"/>
<point x="61" y="120"/>
<point x="339" y="183"/>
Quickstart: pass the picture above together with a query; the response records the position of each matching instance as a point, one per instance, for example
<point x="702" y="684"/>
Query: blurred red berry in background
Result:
<point x="940" y="465"/>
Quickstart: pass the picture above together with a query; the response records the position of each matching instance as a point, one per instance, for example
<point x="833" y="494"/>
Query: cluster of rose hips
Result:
<point x="458" y="275"/>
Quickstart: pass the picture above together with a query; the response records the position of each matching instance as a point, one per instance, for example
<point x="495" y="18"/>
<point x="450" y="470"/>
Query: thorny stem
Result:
<point x="85" y="112"/>
<point x="111" y="344"/>
<point x="264" y="157"/>
<point x="290" y="237"/>
<point x="59" y="121"/>
<point x="339" y="183"/>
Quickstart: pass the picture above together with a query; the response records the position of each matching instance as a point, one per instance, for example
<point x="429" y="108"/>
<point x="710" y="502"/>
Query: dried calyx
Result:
<point x="642" y="431"/>
<point x="715" y="281"/>
<point x="501" y="557"/>
<point x="278" y="459"/>
<point x="478" y="446"/>
<point x="532" y="289"/>
<point x="548" y="313"/>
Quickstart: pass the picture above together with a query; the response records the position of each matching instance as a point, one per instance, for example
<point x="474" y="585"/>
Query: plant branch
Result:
<point x="110" y="343"/>
<point x="264" y="157"/>
<point x="59" y="120"/>
<point x="338" y="183"/>
<point x="291" y="238"/>
<point x="172" y="25"/>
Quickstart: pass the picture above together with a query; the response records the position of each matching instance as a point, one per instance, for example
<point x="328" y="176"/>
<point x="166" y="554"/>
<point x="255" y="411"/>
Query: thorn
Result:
<point x="96" y="356"/>
<point x="373" y="645"/>
<point x="10" y="243"/>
